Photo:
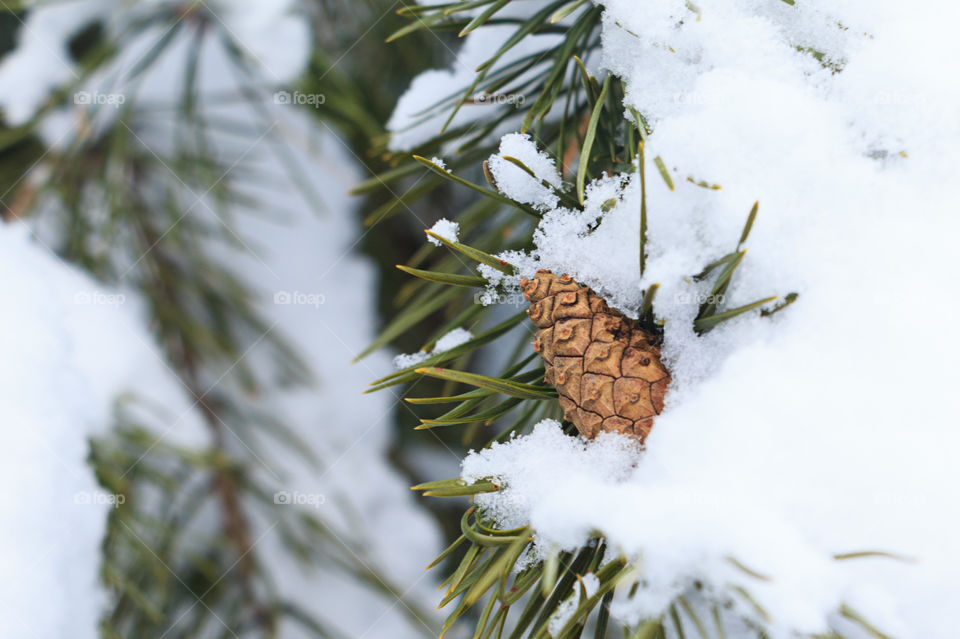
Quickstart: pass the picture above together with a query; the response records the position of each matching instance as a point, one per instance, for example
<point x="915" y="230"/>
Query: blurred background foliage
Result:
<point x="203" y="316"/>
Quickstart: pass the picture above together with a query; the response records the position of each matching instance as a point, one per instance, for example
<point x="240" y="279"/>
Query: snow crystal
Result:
<point x="446" y="229"/>
<point x="605" y="256"/>
<point x="406" y="360"/>
<point x="448" y="341"/>
<point x="519" y="185"/>
<point x="542" y="466"/>
<point x="451" y="340"/>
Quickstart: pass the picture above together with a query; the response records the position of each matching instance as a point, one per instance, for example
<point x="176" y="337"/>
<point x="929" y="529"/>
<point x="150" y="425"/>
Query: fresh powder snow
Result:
<point x="448" y="341"/>
<point x="539" y="189"/>
<point x="450" y="231"/>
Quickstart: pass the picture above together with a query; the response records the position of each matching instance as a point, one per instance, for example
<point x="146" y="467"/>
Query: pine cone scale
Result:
<point x="606" y="368"/>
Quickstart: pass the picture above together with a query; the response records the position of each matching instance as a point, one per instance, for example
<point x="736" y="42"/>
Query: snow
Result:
<point x="257" y="28"/>
<point x="344" y="478"/>
<point x="826" y="428"/>
<point x="416" y="118"/>
<point x="451" y="340"/>
<point x="69" y="349"/>
<point x="448" y="341"/>
<point x="605" y="257"/>
<point x="519" y="185"/>
<point x="41" y="60"/>
<point x="589" y="584"/>
<point x="446" y="229"/>
<point x="406" y="360"/>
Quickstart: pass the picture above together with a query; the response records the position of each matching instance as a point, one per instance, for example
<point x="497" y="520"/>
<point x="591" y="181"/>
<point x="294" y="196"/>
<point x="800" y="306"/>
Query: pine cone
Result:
<point x="606" y="368"/>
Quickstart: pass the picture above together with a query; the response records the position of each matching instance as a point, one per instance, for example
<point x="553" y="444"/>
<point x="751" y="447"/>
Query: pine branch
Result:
<point x="589" y="137"/>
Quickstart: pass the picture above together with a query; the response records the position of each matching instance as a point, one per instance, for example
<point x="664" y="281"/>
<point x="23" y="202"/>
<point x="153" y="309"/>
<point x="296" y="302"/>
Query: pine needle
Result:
<point x="589" y="139"/>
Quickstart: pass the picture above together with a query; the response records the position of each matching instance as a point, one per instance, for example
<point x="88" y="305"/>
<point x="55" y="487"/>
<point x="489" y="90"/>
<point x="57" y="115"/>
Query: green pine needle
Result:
<point x="445" y="278"/>
<point x="588" y="140"/>
<point x="506" y="387"/>
<point x="664" y="173"/>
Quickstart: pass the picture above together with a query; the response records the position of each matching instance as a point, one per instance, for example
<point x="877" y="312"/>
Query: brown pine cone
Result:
<point x="606" y="368"/>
